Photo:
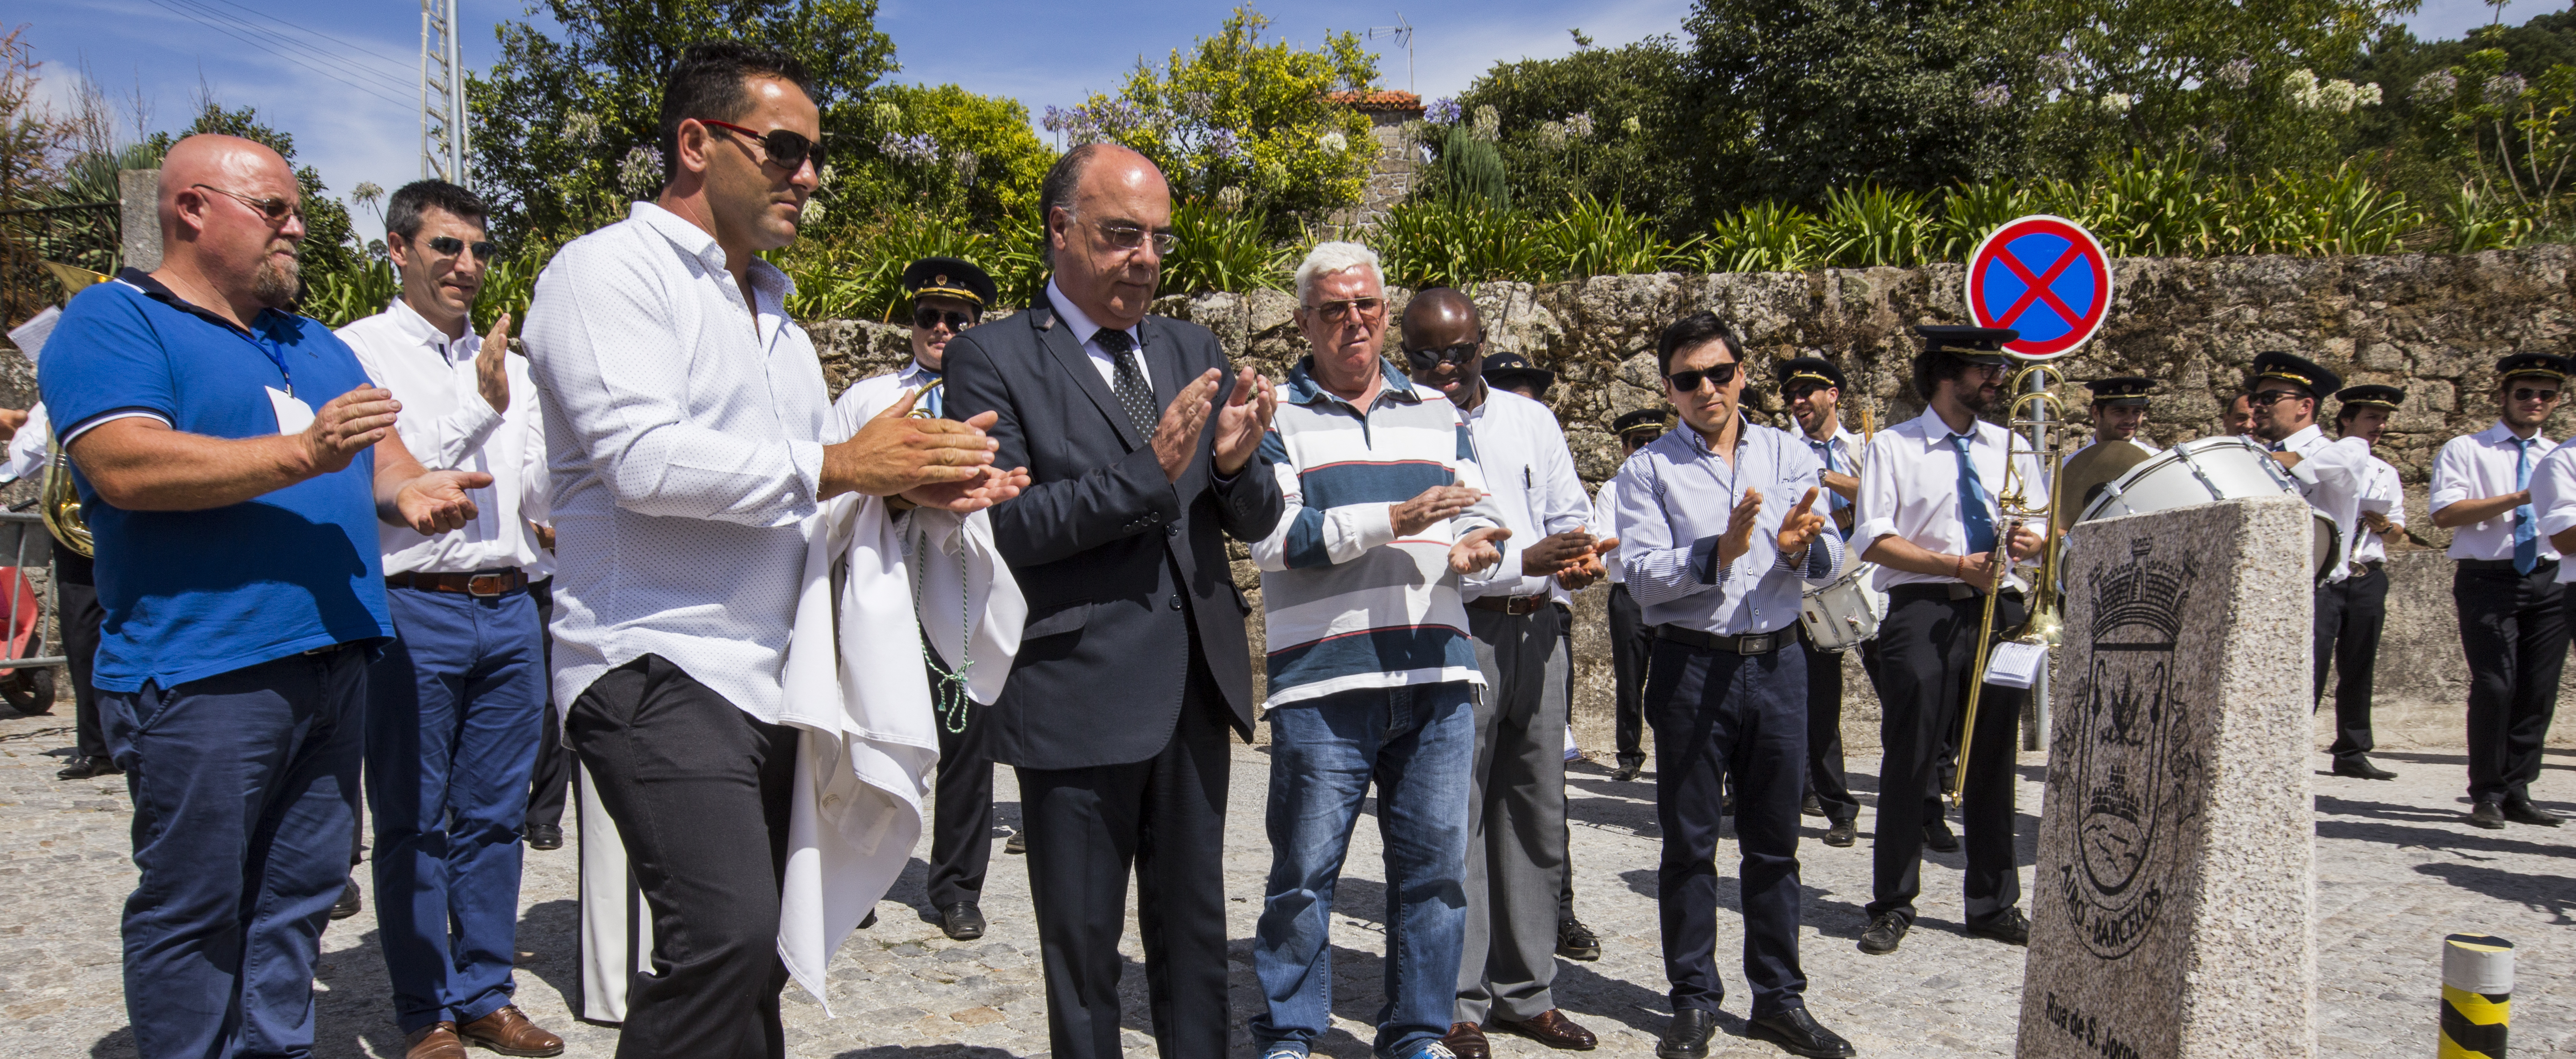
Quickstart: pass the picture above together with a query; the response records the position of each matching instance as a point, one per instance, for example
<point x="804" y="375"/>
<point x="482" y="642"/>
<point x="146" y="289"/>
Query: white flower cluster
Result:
<point x="2237" y="74"/>
<point x="2309" y="93"/>
<point x="1335" y="142"/>
<point x="1551" y="134"/>
<point x="2504" y="88"/>
<point x="1489" y="122"/>
<point x="2117" y="103"/>
<point x="581" y="128"/>
<point x="2437" y="87"/>
<point x="641" y="171"/>
<point x="1579" y="125"/>
<point x="1230" y="198"/>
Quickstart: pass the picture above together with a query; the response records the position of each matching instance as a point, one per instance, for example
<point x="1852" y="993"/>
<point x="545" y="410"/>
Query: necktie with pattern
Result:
<point x="1972" y="501"/>
<point x="1133" y="392"/>
<point x="2526" y="531"/>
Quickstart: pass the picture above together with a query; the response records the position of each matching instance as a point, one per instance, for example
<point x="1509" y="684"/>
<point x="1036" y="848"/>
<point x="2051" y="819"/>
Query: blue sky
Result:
<point x="340" y="74"/>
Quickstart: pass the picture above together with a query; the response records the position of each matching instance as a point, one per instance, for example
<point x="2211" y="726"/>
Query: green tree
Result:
<point x="1596" y="123"/>
<point x="330" y="247"/>
<point x="948" y="149"/>
<point x="1239" y="112"/>
<point x="565" y="125"/>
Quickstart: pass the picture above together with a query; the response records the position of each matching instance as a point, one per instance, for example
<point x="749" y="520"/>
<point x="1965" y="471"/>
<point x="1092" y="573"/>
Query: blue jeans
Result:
<point x="245" y="788"/>
<point x="1417" y="744"/>
<point x="453" y="709"/>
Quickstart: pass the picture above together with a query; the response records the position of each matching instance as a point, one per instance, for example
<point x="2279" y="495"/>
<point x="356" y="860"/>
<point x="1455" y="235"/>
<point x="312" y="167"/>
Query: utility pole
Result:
<point x="442" y="94"/>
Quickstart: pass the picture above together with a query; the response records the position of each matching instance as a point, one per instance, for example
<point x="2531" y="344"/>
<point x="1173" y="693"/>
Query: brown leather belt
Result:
<point x="1513" y="605"/>
<point x="479" y="585"/>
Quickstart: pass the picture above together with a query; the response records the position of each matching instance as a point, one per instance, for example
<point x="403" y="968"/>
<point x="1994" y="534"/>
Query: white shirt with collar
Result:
<point x="1909" y="488"/>
<point x="685" y="431"/>
<point x="1084" y="331"/>
<point x="2382" y="485"/>
<point x="2332" y="474"/>
<point x="2142" y="444"/>
<point x="31" y="447"/>
<point x="1605" y="523"/>
<point x="869" y="396"/>
<point x="1530" y="471"/>
<point x="447" y="424"/>
<point x="2553" y="499"/>
<point x="1846" y="447"/>
<point x="2477" y="466"/>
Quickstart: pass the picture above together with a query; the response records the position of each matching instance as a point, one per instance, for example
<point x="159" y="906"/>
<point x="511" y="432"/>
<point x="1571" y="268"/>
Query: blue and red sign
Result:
<point x="2045" y="277"/>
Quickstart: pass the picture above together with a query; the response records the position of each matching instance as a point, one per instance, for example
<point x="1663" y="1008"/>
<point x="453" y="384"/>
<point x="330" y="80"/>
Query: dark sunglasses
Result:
<point x="451" y="246"/>
<point x="786" y="150"/>
<point x="277" y="210"/>
<point x="1427" y="359"/>
<point x="2267" y="397"/>
<point x="1688" y="381"/>
<point x="926" y="318"/>
<point x="2526" y="393"/>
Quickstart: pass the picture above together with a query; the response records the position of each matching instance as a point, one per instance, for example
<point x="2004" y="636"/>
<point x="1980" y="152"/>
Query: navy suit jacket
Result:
<point x="1124" y="570"/>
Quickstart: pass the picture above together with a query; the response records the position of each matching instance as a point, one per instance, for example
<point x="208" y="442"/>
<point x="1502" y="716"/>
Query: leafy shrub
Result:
<point x="1874" y="226"/>
<point x="1593" y="238"/>
<point x="1429" y="243"/>
<point x="339" y="297"/>
<point x="1221" y="250"/>
<point x="1763" y="236"/>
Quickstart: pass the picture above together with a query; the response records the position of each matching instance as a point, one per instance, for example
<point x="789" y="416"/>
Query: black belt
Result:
<point x="1516" y="606"/>
<point x="1942" y="590"/>
<point x="2503" y="565"/>
<point x="1756" y="643"/>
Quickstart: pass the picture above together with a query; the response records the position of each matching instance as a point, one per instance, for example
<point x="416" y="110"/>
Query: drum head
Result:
<point x="2087" y="471"/>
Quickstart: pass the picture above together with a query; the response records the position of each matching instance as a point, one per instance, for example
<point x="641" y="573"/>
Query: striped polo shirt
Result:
<point x="1347" y="603"/>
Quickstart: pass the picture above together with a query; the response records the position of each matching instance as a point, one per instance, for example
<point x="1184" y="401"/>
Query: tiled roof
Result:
<point x="1379" y="102"/>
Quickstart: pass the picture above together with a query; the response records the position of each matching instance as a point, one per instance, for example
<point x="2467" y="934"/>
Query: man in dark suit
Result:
<point x="1143" y="454"/>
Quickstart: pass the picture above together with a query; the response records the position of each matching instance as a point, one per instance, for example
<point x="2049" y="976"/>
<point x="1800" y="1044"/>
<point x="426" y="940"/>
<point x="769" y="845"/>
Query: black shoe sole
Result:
<point x="1585" y="955"/>
<point x="1781" y="1040"/>
<point x="1889" y="950"/>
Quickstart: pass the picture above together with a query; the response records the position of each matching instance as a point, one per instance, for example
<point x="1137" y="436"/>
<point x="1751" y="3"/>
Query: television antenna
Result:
<point x="1402" y="31"/>
<point x="442" y="93"/>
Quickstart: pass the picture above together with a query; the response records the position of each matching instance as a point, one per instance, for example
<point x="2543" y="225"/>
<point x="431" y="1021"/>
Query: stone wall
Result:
<point x="2431" y="323"/>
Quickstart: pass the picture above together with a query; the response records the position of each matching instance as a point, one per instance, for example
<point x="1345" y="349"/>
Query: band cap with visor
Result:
<point x="1797" y="374"/>
<point x="2123" y="391"/>
<point x="2545" y="365"/>
<point x="949" y="277"/>
<point x="2296" y="370"/>
<point x="1501" y="368"/>
<point x="1976" y="345"/>
<point x="2371" y="395"/>
<point x="1656" y="420"/>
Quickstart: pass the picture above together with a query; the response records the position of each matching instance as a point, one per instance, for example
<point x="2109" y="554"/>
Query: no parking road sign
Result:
<point x="2045" y="277"/>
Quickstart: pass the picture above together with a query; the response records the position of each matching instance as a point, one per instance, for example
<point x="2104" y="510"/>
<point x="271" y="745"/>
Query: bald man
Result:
<point x="232" y="461"/>
<point x="1143" y="447"/>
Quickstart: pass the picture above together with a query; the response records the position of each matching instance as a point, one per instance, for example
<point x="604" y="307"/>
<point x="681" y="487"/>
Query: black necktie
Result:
<point x="1129" y="371"/>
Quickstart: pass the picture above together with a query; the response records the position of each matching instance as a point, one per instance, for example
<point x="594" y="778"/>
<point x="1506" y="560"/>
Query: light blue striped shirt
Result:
<point x="1674" y="499"/>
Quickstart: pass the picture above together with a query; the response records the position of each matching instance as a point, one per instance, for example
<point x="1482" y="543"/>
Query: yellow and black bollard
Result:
<point x="2477" y="996"/>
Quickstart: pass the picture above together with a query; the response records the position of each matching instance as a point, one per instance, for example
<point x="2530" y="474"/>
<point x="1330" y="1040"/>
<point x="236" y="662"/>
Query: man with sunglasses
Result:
<point x="1812" y="387"/>
<point x="949" y="295"/>
<point x="687" y="419"/>
<point x="2513" y="625"/>
<point x="2285" y="393"/>
<point x="2350" y="613"/>
<point x="1722" y="535"/>
<point x="1144" y="449"/>
<point x="233" y="462"/>
<point x="456" y="705"/>
<point x="1930" y="520"/>
<point x="1516" y="813"/>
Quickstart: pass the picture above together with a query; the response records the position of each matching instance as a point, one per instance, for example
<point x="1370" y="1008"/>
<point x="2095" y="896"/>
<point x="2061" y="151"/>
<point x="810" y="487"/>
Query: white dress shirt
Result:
<point x="2333" y="474"/>
<point x="684" y="430"/>
<point x="1084" y="331"/>
<point x="1530" y="471"/>
<point x="869" y="396"/>
<point x="2553" y="499"/>
<point x="447" y="424"/>
<point x="1676" y="499"/>
<point x="30" y="448"/>
<point x="2477" y="466"/>
<point x="2381" y="486"/>
<point x="1909" y="488"/>
<point x="1840" y="454"/>
<point x="1605" y="523"/>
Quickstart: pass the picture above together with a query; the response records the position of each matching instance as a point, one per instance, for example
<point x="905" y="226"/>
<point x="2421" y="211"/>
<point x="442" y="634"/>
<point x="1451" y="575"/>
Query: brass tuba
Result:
<point x="56" y="498"/>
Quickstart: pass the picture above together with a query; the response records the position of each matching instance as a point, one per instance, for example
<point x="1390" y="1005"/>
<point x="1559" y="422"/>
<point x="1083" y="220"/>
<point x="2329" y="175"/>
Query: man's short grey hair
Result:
<point x="1328" y="259"/>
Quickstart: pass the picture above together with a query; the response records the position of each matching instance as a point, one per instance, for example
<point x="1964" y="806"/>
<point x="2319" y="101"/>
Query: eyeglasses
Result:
<point x="1340" y="309"/>
<point x="1124" y="236"/>
<point x="1427" y="359"/>
<point x="2526" y="393"/>
<point x="1688" y="381"/>
<point x="786" y="150"/>
<point x="451" y="246"/>
<point x="276" y="210"/>
<point x="2267" y="397"/>
<point x="926" y="318"/>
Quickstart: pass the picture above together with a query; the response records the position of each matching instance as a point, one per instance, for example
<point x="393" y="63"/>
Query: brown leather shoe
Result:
<point x="434" y="1041"/>
<point x="1467" y="1041"/>
<point x="509" y="1032"/>
<point x="1552" y="1029"/>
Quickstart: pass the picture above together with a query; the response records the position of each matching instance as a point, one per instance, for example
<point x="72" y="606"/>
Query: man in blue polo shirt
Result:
<point x="232" y="460"/>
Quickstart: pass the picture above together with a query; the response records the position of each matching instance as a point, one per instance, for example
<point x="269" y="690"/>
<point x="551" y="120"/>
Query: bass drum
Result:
<point x="2205" y="472"/>
<point x="1845" y="612"/>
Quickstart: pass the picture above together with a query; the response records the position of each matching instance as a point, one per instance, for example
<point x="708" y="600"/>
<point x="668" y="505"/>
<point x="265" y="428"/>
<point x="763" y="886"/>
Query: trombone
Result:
<point x="2043" y="626"/>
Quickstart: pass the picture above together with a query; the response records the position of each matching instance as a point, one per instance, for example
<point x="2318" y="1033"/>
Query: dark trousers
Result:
<point x="1628" y="642"/>
<point x="1164" y="819"/>
<point x="699" y="792"/>
<point x="550" y="783"/>
<point x="2514" y="629"/>
<point x="245" y="788"/>
<point x="453" y="707"/>
<point x="2350" y="613"/>
<point x="1927" y="658"/>
<point x="1720" y="714"/>
<point x="1565" y="635"/>
<point x="76" y="607"/>
<point x="1824" y="700"/>
<point x="961" y="822"/>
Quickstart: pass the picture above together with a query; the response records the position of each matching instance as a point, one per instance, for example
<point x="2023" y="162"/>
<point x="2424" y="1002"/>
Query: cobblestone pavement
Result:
<point x="2398" y="868"/>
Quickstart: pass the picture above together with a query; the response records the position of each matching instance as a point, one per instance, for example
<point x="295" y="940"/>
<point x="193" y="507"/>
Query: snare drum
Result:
<point x="2204" y="472"/>
<point x="1841" y="614"/>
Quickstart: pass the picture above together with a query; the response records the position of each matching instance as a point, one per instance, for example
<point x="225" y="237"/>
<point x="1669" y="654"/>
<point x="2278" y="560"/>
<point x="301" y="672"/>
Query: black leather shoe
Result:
<point x="350" y="903"/>
<point x="1018" y="845"/>
<point x="870" y="921"/>
<point x="545" y="836"/>
<point x="2521" y="811"/>
<point x="1686" y="1037"/>
<point x="962" y="921"/>
<point x="1884" y="933"/>
<point x="88" y="767"/>
<point x="2009" y="926"/>
<point x="1937" y="836"/>
<point x="2489" y="815"/>
<point x="1842" y="834"/>
<point x="1574" y="941"/>
<point x="1796" y="1032"/>
<point x="2362" y="769"/>
<point x="1628" y="770"/>
<point x="1811" y="805"/>
<point x="1466" y="1040"/>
